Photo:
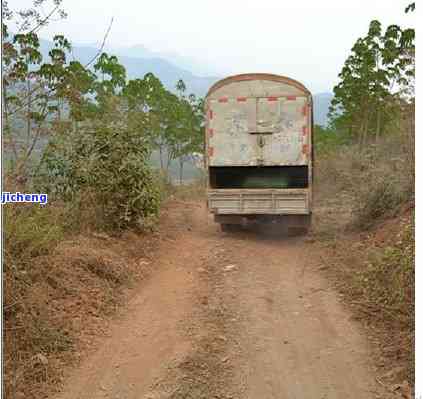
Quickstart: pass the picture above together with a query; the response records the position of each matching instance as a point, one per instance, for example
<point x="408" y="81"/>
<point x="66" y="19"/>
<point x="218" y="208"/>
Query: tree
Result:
<point x="45" y="97"/>
<point x="370" y="80"/>
<point x="31" y="92"/>
<point x="186" y="134"/>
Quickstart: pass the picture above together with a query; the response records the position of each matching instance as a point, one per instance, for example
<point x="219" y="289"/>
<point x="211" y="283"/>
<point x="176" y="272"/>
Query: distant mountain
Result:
<point x="321" y="103"/>
<point x="183" y="62"/>
<point x="137" y="51"/>
<point x="137" y="67"/>
<point x="139" y="60"/>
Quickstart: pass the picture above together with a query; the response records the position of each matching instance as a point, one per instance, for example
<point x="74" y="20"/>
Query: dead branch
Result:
<point x="100" y="50"/>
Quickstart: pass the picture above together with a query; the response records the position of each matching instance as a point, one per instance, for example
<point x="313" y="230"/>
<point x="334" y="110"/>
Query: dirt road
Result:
<point x="230" y="316"/>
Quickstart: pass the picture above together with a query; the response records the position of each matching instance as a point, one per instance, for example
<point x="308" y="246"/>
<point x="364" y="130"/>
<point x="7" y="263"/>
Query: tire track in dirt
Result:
<point x="207" y="370"/>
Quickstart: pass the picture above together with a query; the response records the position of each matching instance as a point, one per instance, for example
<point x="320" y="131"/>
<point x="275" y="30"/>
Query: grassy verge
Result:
<point x="364" y="221"/>
<point x="374" y="273"/>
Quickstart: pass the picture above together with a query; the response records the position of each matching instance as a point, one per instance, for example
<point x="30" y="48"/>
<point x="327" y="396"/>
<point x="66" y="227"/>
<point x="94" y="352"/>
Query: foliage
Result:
<point x="44" y="96"/>
<point x="327" y="140"/>
<point x="105" y="162"/>
<point x="186" y="136"/>
<point x="37" y="94"/>
<point x="372" y="81"/>
<point x="174" y="123"/>
<point x="100" y="128"/>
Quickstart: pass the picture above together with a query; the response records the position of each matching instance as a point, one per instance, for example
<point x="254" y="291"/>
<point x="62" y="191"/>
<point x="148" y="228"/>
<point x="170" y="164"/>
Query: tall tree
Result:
<point x="371" y="77"/>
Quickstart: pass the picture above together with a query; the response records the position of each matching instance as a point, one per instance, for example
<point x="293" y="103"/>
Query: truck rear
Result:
<point x="259" y="153"/>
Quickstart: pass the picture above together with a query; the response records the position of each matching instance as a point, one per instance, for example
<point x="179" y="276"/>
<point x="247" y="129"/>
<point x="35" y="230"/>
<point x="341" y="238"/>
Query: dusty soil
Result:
<point x="230" y="316"/>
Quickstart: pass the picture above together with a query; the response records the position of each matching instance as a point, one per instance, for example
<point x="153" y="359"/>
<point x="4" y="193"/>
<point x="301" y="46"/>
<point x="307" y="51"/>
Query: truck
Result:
<point x="259" y="152"/>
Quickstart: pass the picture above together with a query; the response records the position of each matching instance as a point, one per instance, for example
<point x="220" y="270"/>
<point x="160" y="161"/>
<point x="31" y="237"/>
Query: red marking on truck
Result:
<point x="210" y="114"/>
<point x="223" y="99"/>
<point x="305" y="149"/>
<point x="305" y="110"/>
<point x="272" y="99"/>
<point x="305" y="130"/>
<point x="211" y="132"/>
<point x="210" y="152"/>
<point x="241" y="99"/>
<point x="291" y="98"/>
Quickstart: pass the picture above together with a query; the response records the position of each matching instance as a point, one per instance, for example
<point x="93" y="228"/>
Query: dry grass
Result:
<point x="374" y="272"/>
<point x="364" y="221"/>
<point x="61" y="279"/>
<point x="363" y="186"/>
<point x="57" y="291"/>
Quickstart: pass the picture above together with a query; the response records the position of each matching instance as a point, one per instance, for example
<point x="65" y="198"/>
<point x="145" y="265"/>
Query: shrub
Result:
<point x="327" y="140"/>
<point x="381" y="195"/>
<point x="103" y="166"/>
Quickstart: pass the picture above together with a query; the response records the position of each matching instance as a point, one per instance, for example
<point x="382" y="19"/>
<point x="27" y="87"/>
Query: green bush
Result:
<point x="103" y="166"/>
<point x="327" y="140"/>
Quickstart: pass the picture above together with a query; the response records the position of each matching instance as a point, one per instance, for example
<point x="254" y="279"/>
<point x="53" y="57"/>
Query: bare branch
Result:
<point x="43" y="21"/>
<point x="100" y="50"/>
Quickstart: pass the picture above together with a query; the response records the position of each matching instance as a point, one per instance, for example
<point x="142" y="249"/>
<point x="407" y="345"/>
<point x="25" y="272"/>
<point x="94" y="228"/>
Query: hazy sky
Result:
<point x="304" y="39"/>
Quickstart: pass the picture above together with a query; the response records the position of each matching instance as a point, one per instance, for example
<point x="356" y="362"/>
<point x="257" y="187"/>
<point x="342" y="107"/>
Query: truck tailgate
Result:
<point x="261" y="201"/>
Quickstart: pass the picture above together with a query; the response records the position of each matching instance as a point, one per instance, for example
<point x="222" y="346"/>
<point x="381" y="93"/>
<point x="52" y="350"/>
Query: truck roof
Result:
<point x="258" y="76"/>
